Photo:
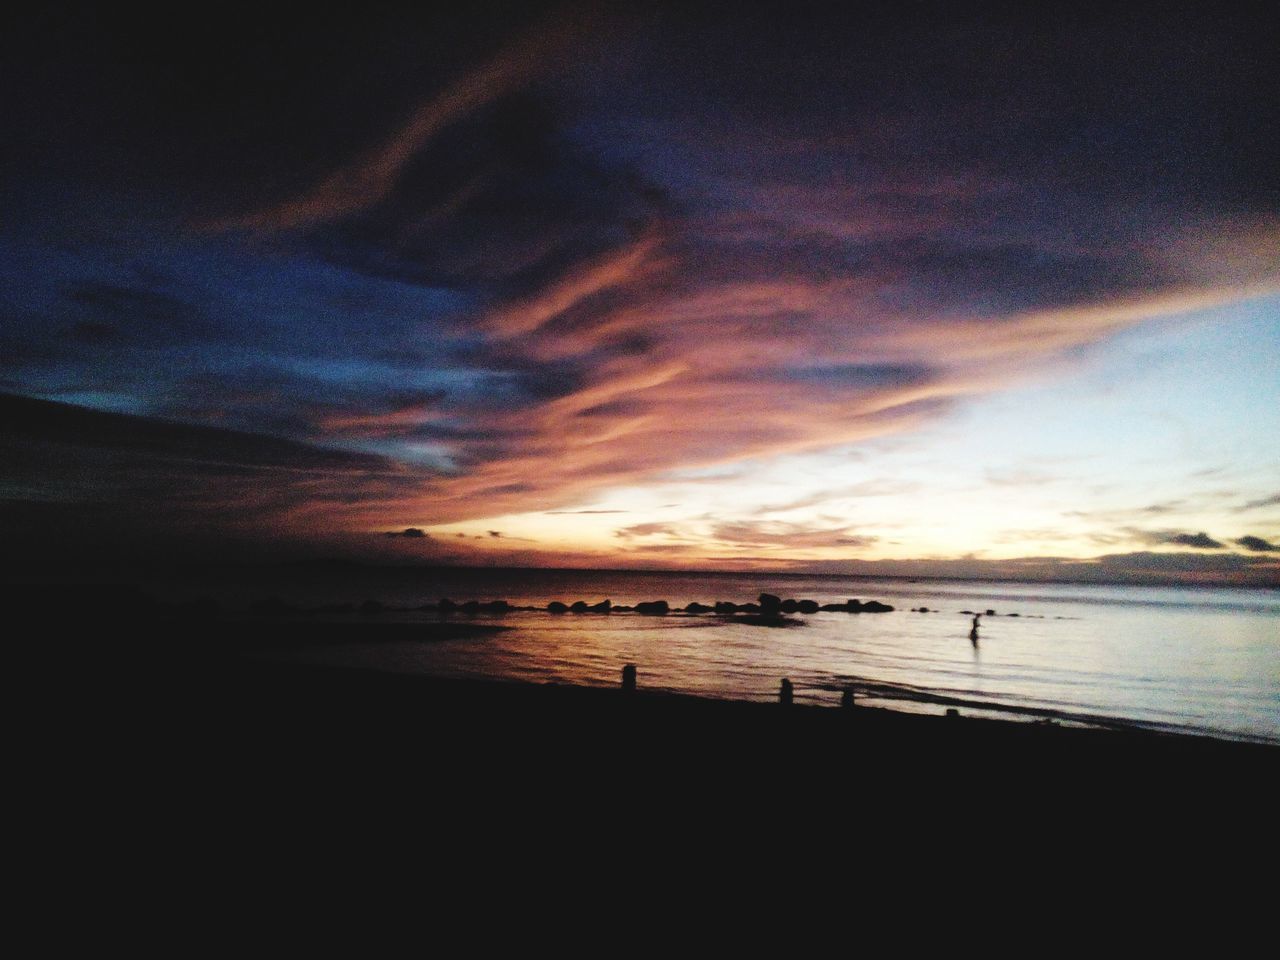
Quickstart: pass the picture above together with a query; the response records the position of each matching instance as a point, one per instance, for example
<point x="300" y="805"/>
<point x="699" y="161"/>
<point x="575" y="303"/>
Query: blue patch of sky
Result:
<point x="1142" y="412"/>
<point x="264" y="310"/>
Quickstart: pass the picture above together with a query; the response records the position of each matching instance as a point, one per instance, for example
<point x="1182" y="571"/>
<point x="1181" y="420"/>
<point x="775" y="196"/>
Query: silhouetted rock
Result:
<point x="808" y="606"/>
<point x="446" y="606"/>
<point x="555" y="606"/>
<point x="723" y="606"/>
<point x="604" y="606"/>
<point x="991" y="613"/>
<point x="769" y="603"/>
<point x="497" y="606"/>
<point x="618" y="608"/>
<point x="653" y="608"/>
<point x="875" y="606"/>
<point x="371" y="607"/>
<point x="749" y="608"/>
<point x="697" y="607"/>
<point x="471" y="606"/>
<point x="790" y="606"/>
<point x="849" y="606"/>
<point x="578" y="606"/>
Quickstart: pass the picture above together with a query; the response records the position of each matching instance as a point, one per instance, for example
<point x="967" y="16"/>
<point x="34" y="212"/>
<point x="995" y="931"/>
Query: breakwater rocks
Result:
<point x="768" y="608"/>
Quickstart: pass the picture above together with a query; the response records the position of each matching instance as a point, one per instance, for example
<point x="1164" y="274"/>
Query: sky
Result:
<point x="861" y="288"/>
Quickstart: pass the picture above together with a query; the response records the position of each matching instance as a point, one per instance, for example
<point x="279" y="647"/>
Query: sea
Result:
<point x="1203" y="660"/>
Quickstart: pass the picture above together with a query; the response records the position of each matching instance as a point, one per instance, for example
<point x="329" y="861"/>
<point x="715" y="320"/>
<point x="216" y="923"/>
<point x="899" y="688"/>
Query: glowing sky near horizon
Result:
<point x="580" y="288"/>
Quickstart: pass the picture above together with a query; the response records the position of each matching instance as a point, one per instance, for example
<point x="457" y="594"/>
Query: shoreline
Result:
<point x="224" y="690"/>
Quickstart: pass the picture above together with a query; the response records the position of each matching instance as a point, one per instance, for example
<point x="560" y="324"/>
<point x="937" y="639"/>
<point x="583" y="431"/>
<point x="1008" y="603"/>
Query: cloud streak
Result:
<point x="371" y="178"/>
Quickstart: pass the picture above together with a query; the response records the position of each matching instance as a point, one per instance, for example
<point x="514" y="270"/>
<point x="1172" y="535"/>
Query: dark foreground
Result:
<point x="182" y="746"/>
<point x="209" y="699"/>
<point x="176" y="779"/>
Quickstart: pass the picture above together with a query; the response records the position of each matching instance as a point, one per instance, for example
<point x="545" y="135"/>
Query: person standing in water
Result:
<point x="973" y="633"/>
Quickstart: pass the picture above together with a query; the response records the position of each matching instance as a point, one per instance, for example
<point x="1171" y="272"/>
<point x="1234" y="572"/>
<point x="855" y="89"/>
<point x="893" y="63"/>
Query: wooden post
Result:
<point x="846" y="698"/>
<point x="785" y="693"/>
<point x="629" y="678"/>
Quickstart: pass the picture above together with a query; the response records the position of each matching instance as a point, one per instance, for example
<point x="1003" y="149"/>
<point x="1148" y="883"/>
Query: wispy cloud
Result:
<point x="1271" y="501"/>
<point x="370" y="178"/>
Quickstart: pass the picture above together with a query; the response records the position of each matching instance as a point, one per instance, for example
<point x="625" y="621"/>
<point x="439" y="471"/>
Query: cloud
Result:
<point x="412" y="533"/>
<point x="372" y="177"/>
<point x="582" y="283"/>
<point x="648" y="530"/>
<point x="776" y="534"/>
<point x="574" y="512"/>
<point x="1270" y="501"/>
<point x="1257" y="544"/>
<point x="884" y="487"/>
<point x="749" y="534"/>
<point x="1201" y="541"/>
<point x="513" y="266"/>
<point x="151" y="479"/>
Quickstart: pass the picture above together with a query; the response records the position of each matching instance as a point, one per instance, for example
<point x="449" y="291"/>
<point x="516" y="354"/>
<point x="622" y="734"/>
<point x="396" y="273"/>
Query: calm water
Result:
<point x="1204" y="660"/>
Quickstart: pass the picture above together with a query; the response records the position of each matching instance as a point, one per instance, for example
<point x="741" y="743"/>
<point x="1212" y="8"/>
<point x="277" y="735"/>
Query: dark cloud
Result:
<point x="1257" y="544"/>
<point x="413" y="533"/>
<point x="149" y="481"/>
<point x="1201" y="541"/>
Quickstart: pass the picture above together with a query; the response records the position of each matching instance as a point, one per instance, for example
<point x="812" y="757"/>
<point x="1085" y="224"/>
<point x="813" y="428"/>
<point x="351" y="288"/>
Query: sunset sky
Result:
<point x="880" y="290"/>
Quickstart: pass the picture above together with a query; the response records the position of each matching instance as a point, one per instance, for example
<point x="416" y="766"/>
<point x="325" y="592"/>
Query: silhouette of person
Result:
<point x="973" y="634"/>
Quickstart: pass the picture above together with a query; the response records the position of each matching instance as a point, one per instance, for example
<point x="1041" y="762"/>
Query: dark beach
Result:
<point x="155" y="693"/>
